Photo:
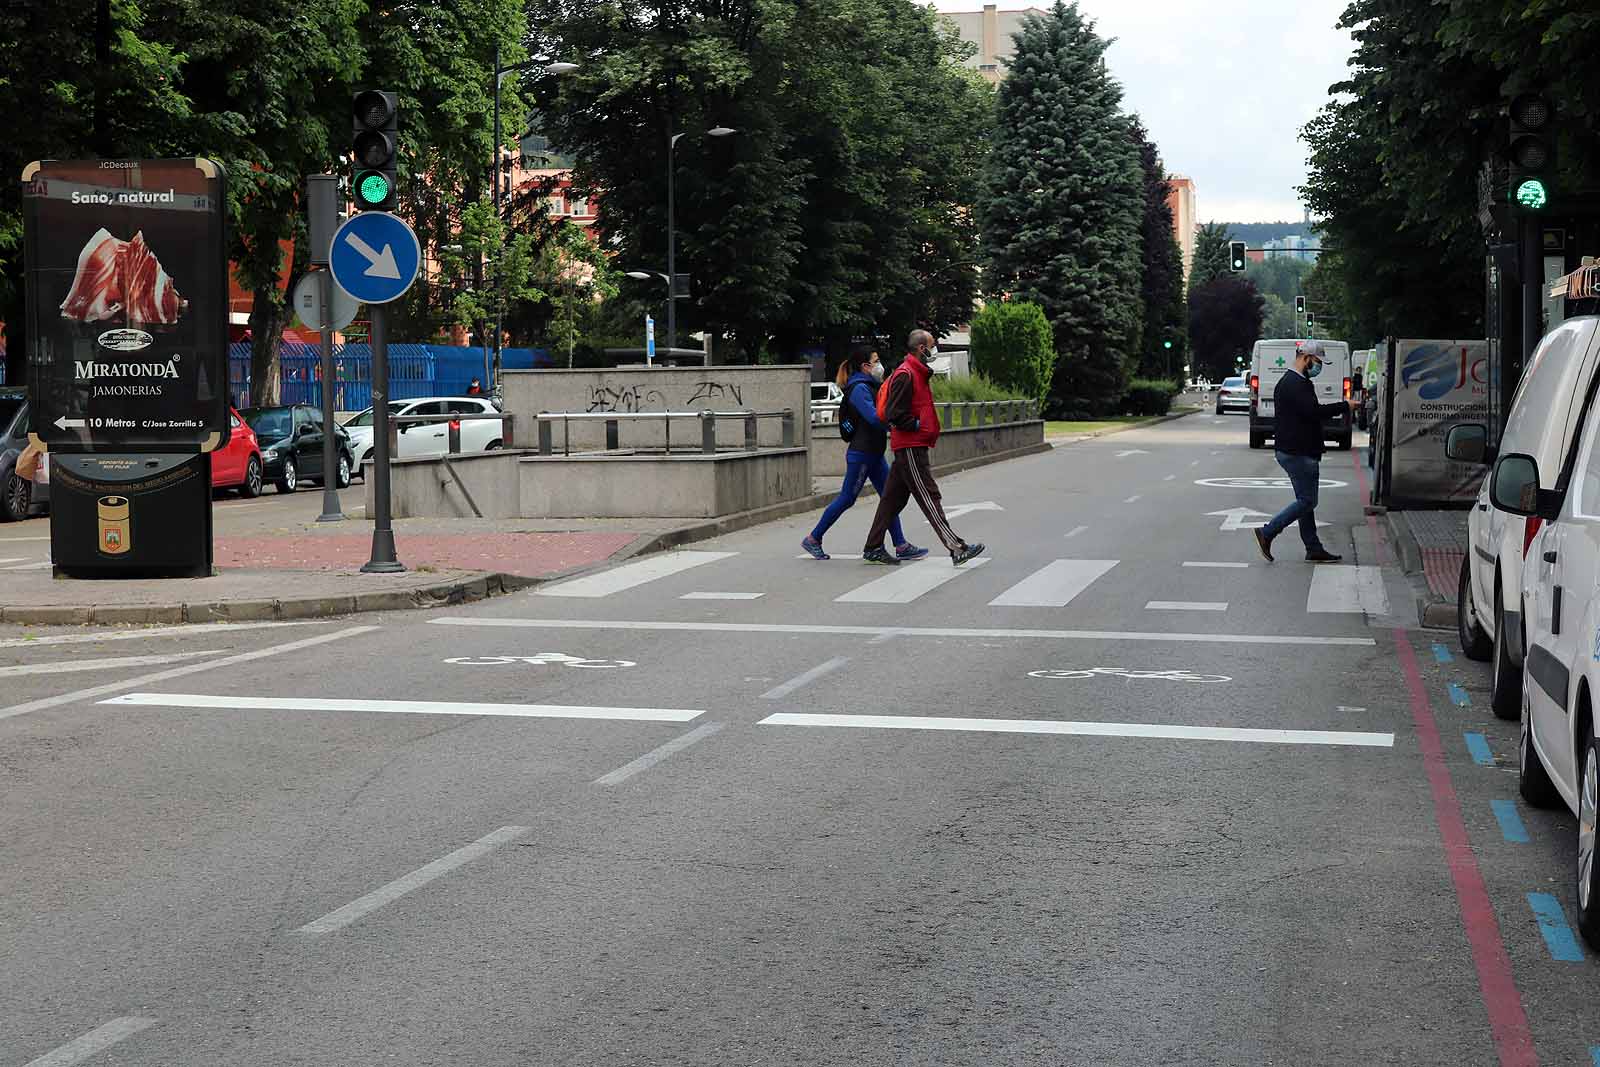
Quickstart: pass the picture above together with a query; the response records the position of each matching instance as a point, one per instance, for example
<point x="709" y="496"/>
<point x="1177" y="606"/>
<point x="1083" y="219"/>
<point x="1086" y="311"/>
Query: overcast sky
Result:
<point x="1224" y="88"/>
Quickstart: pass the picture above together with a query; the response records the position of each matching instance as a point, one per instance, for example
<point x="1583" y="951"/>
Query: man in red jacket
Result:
<point x="907" y="406"/>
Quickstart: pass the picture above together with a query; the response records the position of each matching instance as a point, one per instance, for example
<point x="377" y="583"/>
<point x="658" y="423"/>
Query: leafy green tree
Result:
<point x="1065" y="201"/>
<point x="1280" y="274"/>
<point x="1210" y="254"/>
<point x="505" y="261"/>
<point x="576" y="276"/>
<point x="1278" y="318"/>
<point x="1013" y="347"/>
<point x="1225" y="317"/>
<point x="1161" y="281"/>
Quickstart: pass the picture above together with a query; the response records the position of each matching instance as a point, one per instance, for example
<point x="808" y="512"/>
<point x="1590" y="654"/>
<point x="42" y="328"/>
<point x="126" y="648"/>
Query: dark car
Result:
<point x="19" y="497"/>
<point x="291" y="445"/>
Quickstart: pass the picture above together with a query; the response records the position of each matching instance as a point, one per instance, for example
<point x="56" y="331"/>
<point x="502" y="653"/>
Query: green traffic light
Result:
<point x="1166" y="344"/>
<point x="1532" y="194"/>
<point x="373" y="188"/>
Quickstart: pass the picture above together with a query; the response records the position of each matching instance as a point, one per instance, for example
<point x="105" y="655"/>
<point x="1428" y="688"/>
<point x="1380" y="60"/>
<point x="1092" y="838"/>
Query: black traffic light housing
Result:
<point x="1531" y="150"/>
<point x="1236" y="260"/>
<point x="1310" y="318"/>
<point x="1299" y="305"/>
<point x="375" y="147"/>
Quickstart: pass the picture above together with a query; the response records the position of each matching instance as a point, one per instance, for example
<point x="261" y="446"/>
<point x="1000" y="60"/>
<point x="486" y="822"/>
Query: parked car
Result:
<point x="1233" y="396"/>
<point x="19" y="497"/>
<point x="239" y="466"/>
<point x="290" y="437"/>
<point x="427" y="438"/>
<point x="1547" y="474"/>
<point x="1268" y="362"/>
<point x="825" y="397"/>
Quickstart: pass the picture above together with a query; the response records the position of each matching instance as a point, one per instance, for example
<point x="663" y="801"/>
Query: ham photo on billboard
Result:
<point x="127" y="304"/>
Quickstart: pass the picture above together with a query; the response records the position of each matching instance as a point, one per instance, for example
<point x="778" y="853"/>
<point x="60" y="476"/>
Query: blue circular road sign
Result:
<point x="375" y="257"/>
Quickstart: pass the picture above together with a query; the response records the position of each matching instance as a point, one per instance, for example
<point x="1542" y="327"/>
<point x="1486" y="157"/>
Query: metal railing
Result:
<point x="708" y="420"/>
<point x="955" y="414"/>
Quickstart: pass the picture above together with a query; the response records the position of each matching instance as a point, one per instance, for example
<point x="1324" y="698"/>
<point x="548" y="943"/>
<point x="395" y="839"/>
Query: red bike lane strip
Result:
<point x="1508" y="1022"/>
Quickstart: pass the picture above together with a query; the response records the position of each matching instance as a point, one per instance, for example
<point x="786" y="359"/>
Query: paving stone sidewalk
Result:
<point x="1434" y="542"/>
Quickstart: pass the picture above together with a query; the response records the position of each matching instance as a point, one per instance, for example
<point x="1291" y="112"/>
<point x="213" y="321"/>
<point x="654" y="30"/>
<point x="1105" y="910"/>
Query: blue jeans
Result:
<point x="1305" y="474"/>
<point x="859" y="467"/>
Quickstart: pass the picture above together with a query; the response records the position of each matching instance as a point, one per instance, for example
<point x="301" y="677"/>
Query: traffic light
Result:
<point x="1299" y="305"/>
<point x="1236" y="256"/>
<point x="1532" y="151"/>
<point x="1310" y="319"/>
<point x="375" y="129"/>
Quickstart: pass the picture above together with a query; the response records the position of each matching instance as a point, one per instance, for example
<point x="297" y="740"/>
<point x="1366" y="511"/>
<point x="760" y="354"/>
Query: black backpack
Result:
<point x="847" y="416"/>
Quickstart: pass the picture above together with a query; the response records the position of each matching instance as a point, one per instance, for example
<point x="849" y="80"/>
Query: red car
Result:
<point x="238" y="466"/>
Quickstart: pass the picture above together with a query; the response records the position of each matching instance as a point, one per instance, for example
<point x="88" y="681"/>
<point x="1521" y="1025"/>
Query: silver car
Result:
<point x="1233" y="396"/>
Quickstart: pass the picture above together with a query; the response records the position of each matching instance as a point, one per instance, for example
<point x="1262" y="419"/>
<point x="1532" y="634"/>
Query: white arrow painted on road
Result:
<point x="955" y="511"/>
<point x="1245" y="519"/>
<point x="382" y="263"/>
<point x="64" y="423"/>
<point x="1133" y="452"/>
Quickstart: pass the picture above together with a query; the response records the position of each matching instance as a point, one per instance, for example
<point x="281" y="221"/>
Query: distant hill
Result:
<point x="1256" y="234"/>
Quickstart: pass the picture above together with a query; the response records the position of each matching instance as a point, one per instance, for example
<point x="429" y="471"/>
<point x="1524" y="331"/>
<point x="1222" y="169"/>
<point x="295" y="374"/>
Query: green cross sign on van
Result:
<point x="1280" y="361"/>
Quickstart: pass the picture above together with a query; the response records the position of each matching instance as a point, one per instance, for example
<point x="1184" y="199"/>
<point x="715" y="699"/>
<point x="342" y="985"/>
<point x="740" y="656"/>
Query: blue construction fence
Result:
<point x="414" y="370"/>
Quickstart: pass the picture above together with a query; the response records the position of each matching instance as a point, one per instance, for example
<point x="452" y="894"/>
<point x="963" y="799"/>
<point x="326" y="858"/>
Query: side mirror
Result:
<point x="1514" y="487"/>
<point x="1468" y="443"/>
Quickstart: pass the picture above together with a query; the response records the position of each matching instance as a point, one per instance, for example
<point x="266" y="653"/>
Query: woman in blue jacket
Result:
<point x="859" y="376"/>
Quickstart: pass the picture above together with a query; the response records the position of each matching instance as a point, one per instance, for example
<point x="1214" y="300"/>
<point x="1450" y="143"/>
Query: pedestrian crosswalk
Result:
<point x="732" y="578"/>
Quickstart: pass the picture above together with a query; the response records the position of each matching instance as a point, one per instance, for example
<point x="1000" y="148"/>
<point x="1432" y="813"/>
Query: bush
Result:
<point x="1013" y="347"/>
<point x="969" y="390"/>
<point x="1146" y="396"/>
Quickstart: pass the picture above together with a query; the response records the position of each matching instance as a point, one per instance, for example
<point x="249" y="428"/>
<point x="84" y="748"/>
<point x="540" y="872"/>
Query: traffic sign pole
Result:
<point x="330" y="439"/>
<point x="384" y="560"/>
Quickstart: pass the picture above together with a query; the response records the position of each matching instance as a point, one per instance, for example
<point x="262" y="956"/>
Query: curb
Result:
<point x="1073" y="438"/>
<point x="1432" y="613"/>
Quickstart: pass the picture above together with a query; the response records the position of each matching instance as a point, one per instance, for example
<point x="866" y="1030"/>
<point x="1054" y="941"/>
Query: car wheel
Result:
<point x="1219" y="407"/>
<point x="1533" y="781"/>
<point x="252" y="479"/>
<point x="494" y="446"/>
<point x="1475" y="644"/>
<point x="16" y="499"/>
<point x="344" y="470"/>
<point x="290" y="479"/>
<point x="1506" y="696"/>
<point x="1588" y="862"/>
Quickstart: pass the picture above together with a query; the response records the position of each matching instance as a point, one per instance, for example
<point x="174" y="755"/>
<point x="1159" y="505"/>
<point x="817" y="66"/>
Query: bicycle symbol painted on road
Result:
<point x="540" y="659"/>
<point x="1124" y="672"/>
<point x="1263" y="483"/>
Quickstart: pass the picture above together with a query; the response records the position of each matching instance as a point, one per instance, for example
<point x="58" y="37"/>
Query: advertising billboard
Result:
<point x="127" y="280"/>
<point x="1432" y="386"/>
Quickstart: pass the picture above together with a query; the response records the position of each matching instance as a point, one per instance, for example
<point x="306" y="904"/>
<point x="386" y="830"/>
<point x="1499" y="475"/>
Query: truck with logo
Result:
<point x="1269" y="360"/>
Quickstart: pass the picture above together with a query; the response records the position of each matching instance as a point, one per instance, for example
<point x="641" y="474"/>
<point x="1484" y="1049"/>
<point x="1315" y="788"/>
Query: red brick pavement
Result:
<point x="531" y="555"/>
<point x="1443" y="569"/>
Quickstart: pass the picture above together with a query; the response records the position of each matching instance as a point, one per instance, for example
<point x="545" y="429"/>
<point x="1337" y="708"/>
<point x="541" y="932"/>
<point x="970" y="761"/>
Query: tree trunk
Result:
<point x="267" y="319"/>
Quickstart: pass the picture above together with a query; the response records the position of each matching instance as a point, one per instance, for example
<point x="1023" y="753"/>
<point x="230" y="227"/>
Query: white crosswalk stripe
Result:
<point x="630" y="575"/>
<point x="1054" y="585"/>
<point x="907" y="582"/>
<point x="1337" y="589"/>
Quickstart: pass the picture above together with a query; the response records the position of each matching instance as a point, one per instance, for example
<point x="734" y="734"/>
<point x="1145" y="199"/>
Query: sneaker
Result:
<point x="880" y="556"/>
<point x="965" y="553"/>
<point x="813" y="546"/>
<point x="910" y="551"/>
<point x="1322" y="555"/>
<point x="1264" y="543"/>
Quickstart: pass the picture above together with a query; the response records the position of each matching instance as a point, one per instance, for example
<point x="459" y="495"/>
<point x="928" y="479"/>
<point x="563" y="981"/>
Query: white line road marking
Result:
<point x="1076" y="531"/>
<point x="13" y="540"/>
<point x="1132" y="452"/>
<point x="196" y="629"/>
<point x="800" y="681"/>
<point x="356" y="909"/>
<point x="180" y="672"/>
<point x="110" y="663"/>
<point x="95" y="1041"/>
<point x="1132" y="499"/>
<point x="722" y="596"/>
<point x="911" y="631"/>
<point x="907" y="582"/>
<point x="15" y="559"/>
<point x="1054" y="585"/>
<point x="29" y="566"/>
<point x="656" y="755"/>
<point x="1347" y="589"/>
<point x="1217" y="566"/>
<point x="1084" y="729"/>
<point x="1186" y="605"/>
<point x="634" y="574"/>
<point x="402" y="707"/>
<point x="1170" y="478"/>
<point x="1196" y="463"/>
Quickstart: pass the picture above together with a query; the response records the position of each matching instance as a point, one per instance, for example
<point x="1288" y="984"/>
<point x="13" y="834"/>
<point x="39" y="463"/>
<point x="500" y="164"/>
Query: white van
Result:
<point x="1268" y="361"/>
<point x="1536" y="547"/>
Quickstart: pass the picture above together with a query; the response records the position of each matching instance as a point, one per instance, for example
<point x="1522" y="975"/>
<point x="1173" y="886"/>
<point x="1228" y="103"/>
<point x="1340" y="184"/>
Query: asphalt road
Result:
<point x="1121" y="793"/>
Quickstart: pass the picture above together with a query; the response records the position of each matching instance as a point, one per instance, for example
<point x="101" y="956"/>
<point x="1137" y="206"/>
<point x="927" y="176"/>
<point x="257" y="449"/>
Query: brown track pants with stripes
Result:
<point x="911" y="476"/>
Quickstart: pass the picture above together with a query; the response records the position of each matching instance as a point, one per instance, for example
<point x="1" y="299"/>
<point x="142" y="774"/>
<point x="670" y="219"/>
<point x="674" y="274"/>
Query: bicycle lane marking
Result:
<point x="1497" y="986"/>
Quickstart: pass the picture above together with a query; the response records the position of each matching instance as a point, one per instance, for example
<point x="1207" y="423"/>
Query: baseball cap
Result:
<point x="1313" y="349"/>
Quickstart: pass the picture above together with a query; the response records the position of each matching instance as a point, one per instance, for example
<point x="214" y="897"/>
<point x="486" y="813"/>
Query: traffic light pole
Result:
<point x="499" y="250"/>
<point x="1532" y="239"/>
<point x="384" y="560"/>
<point x="330" y="438"/>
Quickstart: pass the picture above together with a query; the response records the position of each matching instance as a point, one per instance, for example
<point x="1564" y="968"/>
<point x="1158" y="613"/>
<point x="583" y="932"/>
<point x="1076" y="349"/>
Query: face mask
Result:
<point x="1313" y="370"/>
<point x="933" y="353"/>
<point x="876" y="370"/>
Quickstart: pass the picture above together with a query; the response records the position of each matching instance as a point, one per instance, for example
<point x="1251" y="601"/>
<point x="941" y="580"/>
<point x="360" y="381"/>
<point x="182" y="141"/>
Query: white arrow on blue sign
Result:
<point x="375" y="257"/>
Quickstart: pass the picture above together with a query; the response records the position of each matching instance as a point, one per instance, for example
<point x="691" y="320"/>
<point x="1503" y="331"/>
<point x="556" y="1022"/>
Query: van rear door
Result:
<point x="1272" y="359"/>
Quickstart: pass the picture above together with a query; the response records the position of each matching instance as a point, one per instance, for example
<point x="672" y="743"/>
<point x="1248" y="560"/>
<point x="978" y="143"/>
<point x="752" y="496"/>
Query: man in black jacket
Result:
<point x="1297" y="433"/>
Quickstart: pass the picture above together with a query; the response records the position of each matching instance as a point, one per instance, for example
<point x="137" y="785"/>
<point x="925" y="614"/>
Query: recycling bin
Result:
<point x="130" y="515"/>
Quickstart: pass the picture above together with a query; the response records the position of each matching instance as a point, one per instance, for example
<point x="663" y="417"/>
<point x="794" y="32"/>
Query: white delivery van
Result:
<point x="1268" y="362"/>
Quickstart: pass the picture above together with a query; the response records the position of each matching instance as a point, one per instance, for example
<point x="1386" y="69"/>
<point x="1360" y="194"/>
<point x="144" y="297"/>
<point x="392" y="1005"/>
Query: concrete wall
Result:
<point x="956" y="445"/>
<point x="423" y="488"/>
<point x="641" y="389"/>
<point x="687" y="487"/>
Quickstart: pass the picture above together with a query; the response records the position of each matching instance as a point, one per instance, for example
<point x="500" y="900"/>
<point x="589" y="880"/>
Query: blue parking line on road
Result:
<point x="1594" y="1055"/>
<point x="1459" y="696"/>
<point x="1442" y="654"/>
<point x="1553" y="925"/>
<point x="1510" y="821"/>
<point x="1478" y="745"/>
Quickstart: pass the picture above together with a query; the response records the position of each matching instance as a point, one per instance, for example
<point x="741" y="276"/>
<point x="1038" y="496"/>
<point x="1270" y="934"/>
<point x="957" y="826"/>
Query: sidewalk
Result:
<point x="1432" y="545"/>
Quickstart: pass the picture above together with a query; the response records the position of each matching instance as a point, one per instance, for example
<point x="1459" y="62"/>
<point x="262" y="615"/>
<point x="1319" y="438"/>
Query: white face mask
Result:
<point x="876" y="370"/>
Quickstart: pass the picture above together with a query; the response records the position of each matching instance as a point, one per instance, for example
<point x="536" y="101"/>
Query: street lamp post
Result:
<point x="672" y="242"/>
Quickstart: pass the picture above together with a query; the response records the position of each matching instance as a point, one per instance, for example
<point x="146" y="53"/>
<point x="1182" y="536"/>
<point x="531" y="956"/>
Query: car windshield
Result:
<point x="269" y="422"/>
<point x="365" y="418"/>
<point x="9" y="406"/>
<point x="1233" y="383"/>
